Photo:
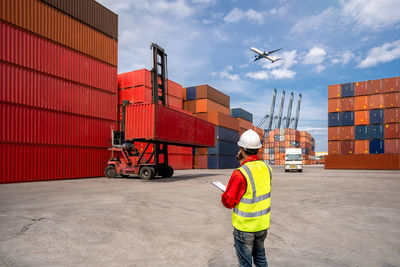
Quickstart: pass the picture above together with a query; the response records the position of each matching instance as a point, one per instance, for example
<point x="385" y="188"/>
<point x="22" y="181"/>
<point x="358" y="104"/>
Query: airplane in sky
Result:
<point x="265" y="54"/>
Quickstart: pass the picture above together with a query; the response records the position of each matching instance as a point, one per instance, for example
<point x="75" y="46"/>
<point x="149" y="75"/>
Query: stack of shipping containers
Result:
<point x="136" y="87"/>
<point x="276" y="142"/>
<point x="363" y="125"/>
<point x="58" y="88"/>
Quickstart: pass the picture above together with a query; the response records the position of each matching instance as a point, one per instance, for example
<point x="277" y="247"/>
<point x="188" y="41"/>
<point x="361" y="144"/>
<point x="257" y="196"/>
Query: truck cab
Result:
<point x="293" y="160"/>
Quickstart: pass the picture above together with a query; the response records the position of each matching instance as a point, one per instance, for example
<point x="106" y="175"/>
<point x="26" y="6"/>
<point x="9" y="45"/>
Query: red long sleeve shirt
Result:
<point x="236" y="187"/>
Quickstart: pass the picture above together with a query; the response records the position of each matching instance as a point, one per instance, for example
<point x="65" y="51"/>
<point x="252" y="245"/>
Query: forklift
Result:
<point x="125" y="158"/>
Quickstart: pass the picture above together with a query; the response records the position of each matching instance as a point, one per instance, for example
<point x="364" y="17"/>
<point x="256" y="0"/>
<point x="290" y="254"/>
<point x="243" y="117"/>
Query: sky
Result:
<point x="208" y="42"/>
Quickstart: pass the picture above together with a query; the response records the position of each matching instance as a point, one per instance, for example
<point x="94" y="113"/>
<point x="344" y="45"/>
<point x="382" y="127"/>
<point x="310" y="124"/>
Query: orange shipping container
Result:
<point x="334" y="148"/>
<point x="205" y="105"/>
<point x="347" y="147"/>
<point x="376" y="87"/>
<point x="361" y="147"/>
<point x="44" y="20"/>
<point x="392" y="146"/>
<point x="392" y="84"/>
<point x="200" y="161"/>
<point x="334" y="105"/>
<point x="392" y="115"/>
<point x="258" y="130"/>
<point x="392" y="130"/>
<point x="361" y="103"/>
<point x="361" y="117"/>
<point x="206" y="91"/>
<point x="244" y="124"/>
<point x="361" y="88"/>
<point x="347" y="104"/>
<point x="376" y="101"/>
<point x="392" y="100"/>
<point x="219" y="119"/>
<point x="347" y="132"/>
<point x="334" y="91"/>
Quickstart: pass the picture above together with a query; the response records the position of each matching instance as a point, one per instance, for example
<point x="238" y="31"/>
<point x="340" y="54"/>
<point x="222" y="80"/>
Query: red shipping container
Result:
<point x="361" y="88"/>
<point x="174" y="89"/>
<point x="139" y="94"/>
<point x="392" y="100"/>
<point x="347" y="104"/>
<point x="334" y="105"/>
<point x="392" y="115"/>
<point x="334" y="91"/>
<point x="200" y="162"/>
<point x="361" y="103"/>
<point x="392" y="146"/>
<point x="392" y="130"/>
<point x="32" y="88"/>
<point x="366" y="162"/>
<point x="347" y="147"/>
<point x="376" y="86"/>
<point x="361" y="147"/>
<point x="37" y="53"/>
<point x="23" y="163"/>
<point x="347" y="132"/>
<point x="180" y="162"/>
<point x="392" y="84"/>
<point x="376" y="101"/>
<point x="334" y="148"/>
<point x="160" y="123"/>
<point x="183" y="150"/>
<point x="361" y="117"/>
<point x="131" y="79"/>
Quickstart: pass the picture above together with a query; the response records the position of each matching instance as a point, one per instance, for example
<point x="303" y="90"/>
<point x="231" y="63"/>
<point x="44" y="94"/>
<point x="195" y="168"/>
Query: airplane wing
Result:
<point x="273" y="51"/>
<point x="257" y="50"/>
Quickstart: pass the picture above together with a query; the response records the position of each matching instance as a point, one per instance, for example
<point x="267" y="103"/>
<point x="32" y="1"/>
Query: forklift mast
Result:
<point x="159" y="73"/>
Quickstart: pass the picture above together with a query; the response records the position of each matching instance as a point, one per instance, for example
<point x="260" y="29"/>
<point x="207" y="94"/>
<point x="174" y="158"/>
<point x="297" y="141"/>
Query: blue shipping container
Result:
<point x="282" y="150"/>
<point x="333" y="119"/>
<point x="276" y="137"/>
<point x="361" y="132"/>
<point x="224" y="148"/>
<point x="376" y="116"/>
<point x="241" y="113"/>
<point x="347" y="90"/>
<point x="376" y="131"/>
<point x="376" y="147"/>
<point x="225" y="134"/>
<point x="190" y="93"/>
<point x="271" y="156"/>
<point x="304" y="151"/>
<point x="222" y="162"/>
<point x="272" y="150"/>
<point x="347" y="118"/>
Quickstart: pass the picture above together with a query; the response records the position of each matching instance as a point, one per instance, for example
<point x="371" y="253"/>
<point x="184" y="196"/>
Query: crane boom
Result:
<point x="281" y="110"/>
<point x="297" y="113"/>
<point x="289" y="111"/>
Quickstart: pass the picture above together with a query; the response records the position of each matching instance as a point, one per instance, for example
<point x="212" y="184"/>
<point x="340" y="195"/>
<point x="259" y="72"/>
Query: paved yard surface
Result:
<point x="319" y="218"/>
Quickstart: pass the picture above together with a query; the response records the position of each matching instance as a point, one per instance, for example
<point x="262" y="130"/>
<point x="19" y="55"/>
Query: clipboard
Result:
<point x="219" y="185"/>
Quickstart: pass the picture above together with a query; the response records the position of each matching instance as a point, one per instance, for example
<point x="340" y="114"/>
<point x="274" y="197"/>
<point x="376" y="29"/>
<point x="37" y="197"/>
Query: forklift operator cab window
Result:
<point x="294" y="157"/>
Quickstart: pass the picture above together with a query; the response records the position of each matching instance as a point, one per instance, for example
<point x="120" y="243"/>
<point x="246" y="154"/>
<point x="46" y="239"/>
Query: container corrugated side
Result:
<point x="25" y="49"/>
<point x="42" y="19"/>
<point x="23" y="163"/>
<point x="27" y="125"/>
<point x="91" y="13"/>
<point x="32" y="88"/>
<point x="156" y="122"/>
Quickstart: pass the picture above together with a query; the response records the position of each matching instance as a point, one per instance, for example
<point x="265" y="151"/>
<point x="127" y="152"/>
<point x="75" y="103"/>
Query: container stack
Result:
<point x="276" y="142"/>
<point x="136" y="87"/>
<point x="58" y="88"/>
<point x="363" y="125"/>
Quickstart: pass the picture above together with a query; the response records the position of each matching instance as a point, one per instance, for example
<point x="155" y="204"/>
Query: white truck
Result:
<point x="293" y="160"/>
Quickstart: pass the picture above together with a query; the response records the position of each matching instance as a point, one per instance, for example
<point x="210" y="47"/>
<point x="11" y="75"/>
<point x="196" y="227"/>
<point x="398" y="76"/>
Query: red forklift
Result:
<point x="125" y="157"/>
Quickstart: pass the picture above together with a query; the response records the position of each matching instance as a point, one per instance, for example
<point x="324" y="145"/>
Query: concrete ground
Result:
<point x="319" y="218"/>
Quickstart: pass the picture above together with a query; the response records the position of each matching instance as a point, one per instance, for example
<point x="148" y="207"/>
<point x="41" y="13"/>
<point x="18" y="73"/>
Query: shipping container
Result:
<point x="346" y="133"/>
<point x="376" y="116"/>
<point x="347" y="147"/>
<point x="191" y="93"/>
<point x="334" y="105"/>
<point x="392" y="146"/>
<point x="220" y="119"/>
<point x="368" y="162"/>
<point x="392" y="84"/>
<point x="27" y="50"/>
<point x="206" y="91"/>
<point x="334" y="91"/>
<point x="376" y="101"/>
<point x="141" y="77"/>
<point x="376" y="131"/>
<point x="361" y="117"/>
<point x="347" y="118"/>
<point x="180" y="162"/>
<point x="392" y="130"/>
<point x="361" y="132"/>
<point x="200" y="162"/>
<point x="244" y="124"/>
<point x="334" y="148"/>
<point x="224" y="148"/>
<point x="222" y="162"/>
<point x="347" y="90"/>
<point x="361" y="103"/>
<point x="241" y="113"/>
<point x="376" y="146"/>
<point x="333" y="119"/>
<point x="225" y="134"/>
<point x="361" y="147"/>
<point x="205" y="105"/>
<point x="43" y="162"/>
<point x="91" y="13"/>
<point x="361" y="88"/>
<point x="347" y="104"/>
<point x="44" y="20"/>
<point x="376" y="87"/>
<point x="391" y="115"/>
<point x="392" y="100"/>
<point x="160" y="123"/>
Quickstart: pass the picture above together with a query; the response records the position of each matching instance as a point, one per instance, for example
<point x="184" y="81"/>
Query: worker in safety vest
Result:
<point x="248" y="194"/>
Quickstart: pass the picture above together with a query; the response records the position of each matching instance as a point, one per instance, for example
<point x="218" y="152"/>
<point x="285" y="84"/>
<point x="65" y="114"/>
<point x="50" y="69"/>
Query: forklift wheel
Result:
<point x="167" y="172"/>
<point x="110" y="171"/>
<point x="147" y="173"/>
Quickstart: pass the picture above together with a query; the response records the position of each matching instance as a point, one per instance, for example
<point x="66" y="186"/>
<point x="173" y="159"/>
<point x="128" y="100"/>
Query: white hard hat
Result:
<point x="250" y="139"/>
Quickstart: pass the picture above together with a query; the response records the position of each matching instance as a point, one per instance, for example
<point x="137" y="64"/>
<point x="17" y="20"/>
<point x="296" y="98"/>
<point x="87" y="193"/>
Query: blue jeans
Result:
<point x="250" y="245"/>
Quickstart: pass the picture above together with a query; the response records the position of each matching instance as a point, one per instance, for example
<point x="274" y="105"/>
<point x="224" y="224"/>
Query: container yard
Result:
<point x="110" y="151"/>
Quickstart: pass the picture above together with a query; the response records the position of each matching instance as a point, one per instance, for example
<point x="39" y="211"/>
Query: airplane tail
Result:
<point x="276" y="60"/>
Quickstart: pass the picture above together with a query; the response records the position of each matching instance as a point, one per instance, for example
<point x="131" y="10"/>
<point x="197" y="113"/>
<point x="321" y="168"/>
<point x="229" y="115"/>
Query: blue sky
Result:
<point x="208" y="42"/>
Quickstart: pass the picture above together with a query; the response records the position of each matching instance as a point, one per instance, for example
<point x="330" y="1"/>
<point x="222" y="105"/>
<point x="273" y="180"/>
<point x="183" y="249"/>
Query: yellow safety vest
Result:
<point x="252" y="214"/>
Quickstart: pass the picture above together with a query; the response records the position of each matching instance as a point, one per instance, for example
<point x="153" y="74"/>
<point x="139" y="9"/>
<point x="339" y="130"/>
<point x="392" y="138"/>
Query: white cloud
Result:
<point x="345" y="58"/>
<point x="258" y="75"/>
<point x="205" y="2"/>
<point x="226" y="74"/>
<point x="315" y="56"/>
<point x="325" y="19"/>
<point x="282" y="74"/>
<point x="381" y="54"/>
<point x="319" y="68"/>
<point x="237" y="15"/>
<point x="372" y="14"/>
